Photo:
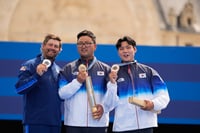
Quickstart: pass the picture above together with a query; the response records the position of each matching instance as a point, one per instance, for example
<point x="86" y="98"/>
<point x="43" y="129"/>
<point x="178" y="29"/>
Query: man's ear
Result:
<point x="41" y="48"/>
<point x="60" y="50"/>
<point x="135" y="49"/>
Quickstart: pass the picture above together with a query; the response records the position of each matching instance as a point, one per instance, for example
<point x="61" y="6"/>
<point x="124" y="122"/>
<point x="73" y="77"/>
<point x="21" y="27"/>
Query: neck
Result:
<point x="87" y="58"/>
<point x="127" y="61"/>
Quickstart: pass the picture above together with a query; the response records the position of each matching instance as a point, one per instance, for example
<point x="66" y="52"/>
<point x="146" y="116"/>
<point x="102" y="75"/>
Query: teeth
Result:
<point x="126" y="54"/>
<point x="51" y="51"/>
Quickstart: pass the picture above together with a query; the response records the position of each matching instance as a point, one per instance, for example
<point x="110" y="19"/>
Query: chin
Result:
<point x="50" y="57"/>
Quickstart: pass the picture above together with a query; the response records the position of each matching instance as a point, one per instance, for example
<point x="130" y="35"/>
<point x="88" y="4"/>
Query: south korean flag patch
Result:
<point x="142" y="75"/>
<point x="100" y="73"/>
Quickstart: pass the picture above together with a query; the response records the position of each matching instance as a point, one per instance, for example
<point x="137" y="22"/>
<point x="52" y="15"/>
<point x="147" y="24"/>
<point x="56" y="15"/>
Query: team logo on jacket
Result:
<point x="142" y="75"/>
<point x="100" y="73"/>
<point x="75" y="73"/>
<point x="120" y="80"/>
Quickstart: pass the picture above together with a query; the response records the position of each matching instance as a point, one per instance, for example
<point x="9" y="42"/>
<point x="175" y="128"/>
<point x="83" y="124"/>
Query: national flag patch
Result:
<point x="100" y="73"/>
<point x="23" y="68"/>
<point x="142" y="75"/>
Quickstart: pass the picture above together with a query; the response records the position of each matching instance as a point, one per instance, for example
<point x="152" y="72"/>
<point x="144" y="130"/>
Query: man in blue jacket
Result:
<point x="38" y="83"/>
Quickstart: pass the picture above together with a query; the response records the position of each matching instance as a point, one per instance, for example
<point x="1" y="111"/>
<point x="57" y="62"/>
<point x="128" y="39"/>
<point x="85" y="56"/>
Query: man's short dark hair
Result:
<point x="87" y="33"/>
<point x="127" y="39"/>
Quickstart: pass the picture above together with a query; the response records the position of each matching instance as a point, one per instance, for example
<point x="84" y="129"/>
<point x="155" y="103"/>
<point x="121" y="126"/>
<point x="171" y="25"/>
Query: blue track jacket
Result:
<point x="41" y="102"/>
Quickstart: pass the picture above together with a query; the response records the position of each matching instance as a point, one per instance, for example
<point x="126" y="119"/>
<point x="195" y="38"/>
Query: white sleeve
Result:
<point x="110" y="99"/>
<point x="161" y="100"/>
<point x="69" y="89"/>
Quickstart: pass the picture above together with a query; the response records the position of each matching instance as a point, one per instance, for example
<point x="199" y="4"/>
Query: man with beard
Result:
<point x="38" y="83"/>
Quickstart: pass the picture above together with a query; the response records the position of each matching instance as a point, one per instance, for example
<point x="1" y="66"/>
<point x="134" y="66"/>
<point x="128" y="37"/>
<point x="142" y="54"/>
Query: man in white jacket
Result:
<point x="82" y="110"/>
<point x="140" y="95"/>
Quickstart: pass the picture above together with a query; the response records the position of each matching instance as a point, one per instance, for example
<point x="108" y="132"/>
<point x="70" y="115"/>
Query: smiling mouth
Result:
<point x="126" y="55"/>
<point x="53" y="51"/>
<point x="84" y="50"/>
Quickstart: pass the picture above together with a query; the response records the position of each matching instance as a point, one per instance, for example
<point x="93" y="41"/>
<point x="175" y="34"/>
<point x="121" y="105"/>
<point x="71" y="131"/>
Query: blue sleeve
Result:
<point x="27" y="79"/>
